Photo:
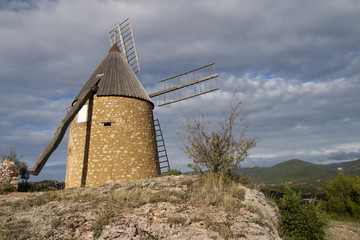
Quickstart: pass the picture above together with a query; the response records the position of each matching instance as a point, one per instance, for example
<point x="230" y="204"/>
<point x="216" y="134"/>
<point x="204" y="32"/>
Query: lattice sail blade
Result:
<point x="187" y="85"/>
<point x="123" y="36"/>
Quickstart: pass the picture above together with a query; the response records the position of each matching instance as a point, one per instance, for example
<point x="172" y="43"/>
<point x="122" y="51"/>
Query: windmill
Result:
<point x="113" y="134"/>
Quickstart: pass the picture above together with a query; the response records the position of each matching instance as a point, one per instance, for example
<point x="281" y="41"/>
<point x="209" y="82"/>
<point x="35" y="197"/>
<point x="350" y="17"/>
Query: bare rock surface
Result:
<point x="172" y="207"/>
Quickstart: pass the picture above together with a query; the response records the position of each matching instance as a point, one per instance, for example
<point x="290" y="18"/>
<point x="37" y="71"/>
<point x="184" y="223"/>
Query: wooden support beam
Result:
<point x="61" y="129"/>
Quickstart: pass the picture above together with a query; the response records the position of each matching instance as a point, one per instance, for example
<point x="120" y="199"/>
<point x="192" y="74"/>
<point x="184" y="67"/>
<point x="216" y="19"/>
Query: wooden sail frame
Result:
<point x="187" y="85"/>
<point x="123" y="36"/>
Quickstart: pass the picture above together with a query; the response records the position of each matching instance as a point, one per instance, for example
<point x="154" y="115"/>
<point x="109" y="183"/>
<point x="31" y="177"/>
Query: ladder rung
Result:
<point x="163" y="159"/>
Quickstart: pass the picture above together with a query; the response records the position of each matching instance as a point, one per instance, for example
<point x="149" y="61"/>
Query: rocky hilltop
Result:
<point x="171" y="207"/>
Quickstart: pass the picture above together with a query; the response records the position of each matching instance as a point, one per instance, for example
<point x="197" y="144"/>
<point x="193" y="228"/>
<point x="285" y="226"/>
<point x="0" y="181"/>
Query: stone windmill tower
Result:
<point x="112" y="135"/>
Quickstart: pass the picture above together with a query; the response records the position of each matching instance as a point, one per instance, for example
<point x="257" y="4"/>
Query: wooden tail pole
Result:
<point x="61" y="129"/>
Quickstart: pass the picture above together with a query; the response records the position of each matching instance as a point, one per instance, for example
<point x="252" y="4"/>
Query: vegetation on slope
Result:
<point x="296" y="171"/>
<point x="349" y="168"/>
<point x="343" y="197"/>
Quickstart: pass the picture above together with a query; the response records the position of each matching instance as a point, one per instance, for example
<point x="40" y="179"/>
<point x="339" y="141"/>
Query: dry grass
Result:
<point x="217" y="190"/>
<point x="340" y="230"/>
<point x="103" y="219"/>
<point x="223" y="228"/>
<point x="15" y="230"/>
<point x="176" y="220"/>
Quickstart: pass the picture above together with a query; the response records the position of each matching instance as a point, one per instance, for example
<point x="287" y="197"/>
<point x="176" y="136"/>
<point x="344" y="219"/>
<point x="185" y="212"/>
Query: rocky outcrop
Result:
<point x="172" y="207"/>
<point x="9" y="175"/>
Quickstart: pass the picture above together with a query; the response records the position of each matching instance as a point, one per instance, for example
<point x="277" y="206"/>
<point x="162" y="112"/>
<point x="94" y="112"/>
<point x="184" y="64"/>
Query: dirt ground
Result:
<point x="15" y="195"/>
<point x="339" y="230"/>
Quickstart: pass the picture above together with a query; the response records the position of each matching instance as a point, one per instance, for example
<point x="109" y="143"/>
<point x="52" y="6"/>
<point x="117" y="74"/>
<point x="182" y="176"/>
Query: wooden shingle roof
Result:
<point x="118" y="79"/>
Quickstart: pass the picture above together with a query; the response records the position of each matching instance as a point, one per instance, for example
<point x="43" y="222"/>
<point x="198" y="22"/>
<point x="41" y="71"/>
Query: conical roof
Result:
<point x="118" y="78"/>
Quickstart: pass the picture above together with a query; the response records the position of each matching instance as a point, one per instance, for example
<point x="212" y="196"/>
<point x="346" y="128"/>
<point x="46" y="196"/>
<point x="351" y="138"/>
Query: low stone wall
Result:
<point x="9" y="175"/>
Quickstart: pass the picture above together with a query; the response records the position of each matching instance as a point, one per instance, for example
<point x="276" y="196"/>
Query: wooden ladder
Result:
<point x="162" y="155"/>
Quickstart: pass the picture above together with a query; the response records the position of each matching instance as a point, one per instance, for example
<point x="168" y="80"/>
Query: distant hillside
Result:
<point x="296" y="171"/>
<point x="300" y="175"/>
<point x="253" y="172"/>
<point x="290" y="171"/>
<point x="352" y="167"/>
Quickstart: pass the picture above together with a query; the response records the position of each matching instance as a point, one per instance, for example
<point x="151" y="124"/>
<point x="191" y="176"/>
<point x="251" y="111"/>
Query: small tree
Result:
<point x="24" y="173"/>
<point x="217" y="149"/>
<point x="299" y="221"/>
<point x="343" y="195"/>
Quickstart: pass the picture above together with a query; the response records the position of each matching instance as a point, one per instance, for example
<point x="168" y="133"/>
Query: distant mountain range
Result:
<point x="296" y="170"/>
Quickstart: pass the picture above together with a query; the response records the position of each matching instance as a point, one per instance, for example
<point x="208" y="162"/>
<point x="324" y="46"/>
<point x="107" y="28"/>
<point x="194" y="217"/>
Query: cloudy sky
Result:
<point x="296" y="65"/>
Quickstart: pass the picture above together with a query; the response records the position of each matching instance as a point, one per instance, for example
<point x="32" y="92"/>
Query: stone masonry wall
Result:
<point x="9" y="175"/>
<point x="75" y="153"/>
<point x="122" y="143"/>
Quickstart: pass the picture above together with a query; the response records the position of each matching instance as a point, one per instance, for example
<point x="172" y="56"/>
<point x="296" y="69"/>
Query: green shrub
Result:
<point x="299" y="221"/>
<point x="343" y="197"/>
<point x="220" y="148"/>
<point x="5" y="189"/>
<point x="171" y="172"/>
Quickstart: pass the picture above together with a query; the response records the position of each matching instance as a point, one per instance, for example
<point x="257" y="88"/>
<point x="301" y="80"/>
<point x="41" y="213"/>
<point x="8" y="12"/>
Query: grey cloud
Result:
<point x="342" y="155"/>
<point x="295" y="64"/>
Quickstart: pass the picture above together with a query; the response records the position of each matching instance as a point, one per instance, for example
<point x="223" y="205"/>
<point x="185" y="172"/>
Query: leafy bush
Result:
<point x="4" y="189"/>
<point x="218" y="149"/>
<point x="171" y="172"/>
<point x="343" y="197"/>
<point x="299" y="221"/>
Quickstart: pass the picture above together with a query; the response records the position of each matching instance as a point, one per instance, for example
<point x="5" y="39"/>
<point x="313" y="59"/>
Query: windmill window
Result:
<point x="107" y="124"/>
<point x="82" y="115"/>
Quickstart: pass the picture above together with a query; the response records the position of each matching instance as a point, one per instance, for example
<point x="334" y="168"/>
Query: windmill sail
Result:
<point x="122" y="35"/>
<point x="61" y="129"/>
<point x="187" y="85"/>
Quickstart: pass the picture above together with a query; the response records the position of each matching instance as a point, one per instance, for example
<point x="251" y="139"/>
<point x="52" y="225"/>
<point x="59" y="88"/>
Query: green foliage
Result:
<point x="101" y="221"/>
<point x="217" y="149"/>
<point x="172" y="172"/>
<point x="4" y="189"/>
<point x="295" y="171"/>
<point x="349" y="168"/>
<point x="343" y="195"/>
<point x="24" y="173"/>
<point x="15" y="230"/>
<point x="299" y="221"/>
